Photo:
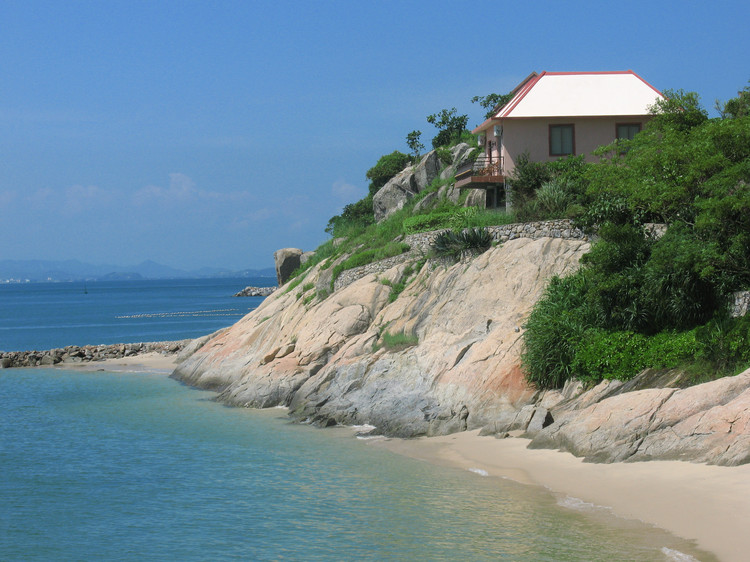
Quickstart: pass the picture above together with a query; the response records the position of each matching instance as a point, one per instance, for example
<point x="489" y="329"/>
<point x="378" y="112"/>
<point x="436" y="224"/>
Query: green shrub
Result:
<point x="553" y="199"/>
<point x="386" y="167"/>
<point x="622" y="355"/>
<point x="444" y="155"/>
<point x="452" y="243"/>
<point x="554" y="331"/>
<point x="725" y="343"/>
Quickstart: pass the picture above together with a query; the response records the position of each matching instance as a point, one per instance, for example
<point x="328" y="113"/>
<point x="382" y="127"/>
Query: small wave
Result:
<point x="479" y="471"/>
<point x="676" y="555"/>
<point x="578" y="504"/>
<point x="366" y="437"/>
<point x="364" y="428"/>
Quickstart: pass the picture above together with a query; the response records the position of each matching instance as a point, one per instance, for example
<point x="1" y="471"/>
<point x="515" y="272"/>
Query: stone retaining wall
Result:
<point x="87" y="353"/>
<point x="421" y="243"/>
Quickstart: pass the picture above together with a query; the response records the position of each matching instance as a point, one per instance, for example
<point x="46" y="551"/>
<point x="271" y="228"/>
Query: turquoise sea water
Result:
<point x="135" y="466"/>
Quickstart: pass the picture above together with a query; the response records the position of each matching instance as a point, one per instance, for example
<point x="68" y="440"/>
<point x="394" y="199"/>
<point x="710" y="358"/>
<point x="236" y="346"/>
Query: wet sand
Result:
<point x="708" y="504"/>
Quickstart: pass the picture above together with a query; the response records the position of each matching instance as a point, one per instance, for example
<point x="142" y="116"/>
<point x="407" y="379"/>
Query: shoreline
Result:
<point x="74" y="355"/>
<point x="152" y="362"/>
<point x="707" y="504"/>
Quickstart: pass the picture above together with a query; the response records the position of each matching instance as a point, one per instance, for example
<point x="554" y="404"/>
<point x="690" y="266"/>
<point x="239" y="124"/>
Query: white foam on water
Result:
<point x="677" y="556"/>
<point x="578" y="504"/>
<point x="364" y="428"/>
<point x="370" y="437"/>
<point x="479" y="471"/>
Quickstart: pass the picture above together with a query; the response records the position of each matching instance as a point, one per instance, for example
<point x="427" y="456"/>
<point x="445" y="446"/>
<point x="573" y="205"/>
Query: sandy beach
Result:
<point x="152" y="362"/>
<point x="707" y="504"/>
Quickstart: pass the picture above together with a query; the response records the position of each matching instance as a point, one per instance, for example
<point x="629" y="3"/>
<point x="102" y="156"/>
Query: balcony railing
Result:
<point x="480" y="172"/>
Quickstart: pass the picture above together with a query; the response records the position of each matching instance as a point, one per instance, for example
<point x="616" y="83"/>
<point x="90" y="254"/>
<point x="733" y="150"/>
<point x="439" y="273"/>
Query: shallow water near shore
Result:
<point x="129" y="466"/>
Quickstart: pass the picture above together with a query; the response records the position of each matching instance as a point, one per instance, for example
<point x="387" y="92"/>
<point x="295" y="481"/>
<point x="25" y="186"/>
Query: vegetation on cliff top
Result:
<point x="638" y="300"/>
<point x="641" y="301"/>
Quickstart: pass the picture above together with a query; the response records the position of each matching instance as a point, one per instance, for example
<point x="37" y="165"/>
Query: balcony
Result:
<point x="482" y="173"/>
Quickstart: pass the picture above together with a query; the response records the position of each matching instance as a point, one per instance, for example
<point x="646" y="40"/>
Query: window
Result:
<point x="626" y="131"/>
<point x="561" y="140"/>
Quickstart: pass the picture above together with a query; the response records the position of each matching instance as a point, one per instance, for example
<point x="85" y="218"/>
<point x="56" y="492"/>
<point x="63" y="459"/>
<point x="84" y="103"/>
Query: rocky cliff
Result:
<point x="456" y="364"/>
<point x="327" y="362"/>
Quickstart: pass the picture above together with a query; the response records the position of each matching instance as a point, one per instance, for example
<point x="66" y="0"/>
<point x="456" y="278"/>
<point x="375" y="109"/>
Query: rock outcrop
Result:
<point x="327" y="360"/>
<point x="287" y="260"/>
<point x="708" y="423"/>
<point x="414" y="179"/>
<point x="455" y="363"/>
<point x="255" y="292"/>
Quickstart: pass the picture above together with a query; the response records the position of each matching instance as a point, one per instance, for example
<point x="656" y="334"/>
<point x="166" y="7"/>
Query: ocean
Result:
<point x="40" y="316"/>
<point x="134" y="466"/>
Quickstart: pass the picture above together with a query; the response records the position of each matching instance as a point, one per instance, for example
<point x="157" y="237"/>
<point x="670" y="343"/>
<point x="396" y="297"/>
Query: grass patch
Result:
<point x="309" y="298"/>
<point x="395" y="342"/>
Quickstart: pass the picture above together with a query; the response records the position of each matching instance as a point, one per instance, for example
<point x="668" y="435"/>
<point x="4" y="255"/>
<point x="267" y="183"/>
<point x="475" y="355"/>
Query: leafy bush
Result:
<point x="450" y="126"/>
<point x="725" y="343"/>
<point x="444" y="155"/>
<point x="354" y="216"/>
<point x="553" y="199"/>
<point x="386" y="167"/>
<point x="555" y="331"/>
<point x="622" y="355"/>
<point x="526" y="178"/>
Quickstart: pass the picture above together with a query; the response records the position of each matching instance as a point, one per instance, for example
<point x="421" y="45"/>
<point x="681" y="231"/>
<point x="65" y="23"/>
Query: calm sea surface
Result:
<point x="135" y="466"/>
<point x="49" y="315"/>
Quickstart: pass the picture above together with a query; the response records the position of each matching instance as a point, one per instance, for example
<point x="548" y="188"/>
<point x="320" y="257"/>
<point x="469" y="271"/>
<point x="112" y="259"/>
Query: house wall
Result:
<point x="532" y="135"/>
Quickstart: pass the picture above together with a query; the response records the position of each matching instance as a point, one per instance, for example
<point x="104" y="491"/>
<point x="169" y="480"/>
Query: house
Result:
<point x="553" y="115"/>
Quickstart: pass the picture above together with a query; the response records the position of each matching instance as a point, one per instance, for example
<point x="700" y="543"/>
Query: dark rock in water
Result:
<point x="255" y="292"/>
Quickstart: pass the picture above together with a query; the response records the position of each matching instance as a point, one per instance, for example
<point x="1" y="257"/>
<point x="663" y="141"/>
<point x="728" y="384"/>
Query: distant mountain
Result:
<point x="74" y="270"/>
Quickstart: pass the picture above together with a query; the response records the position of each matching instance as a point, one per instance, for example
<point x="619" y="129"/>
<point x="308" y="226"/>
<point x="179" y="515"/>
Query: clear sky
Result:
<point x="212" y="133"/>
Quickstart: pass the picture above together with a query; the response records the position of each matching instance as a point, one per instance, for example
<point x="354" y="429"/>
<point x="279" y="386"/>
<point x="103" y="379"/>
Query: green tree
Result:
<point x="412" y="141"/>
<point x="685" y="170"/>
<point x="449" y="124"/>
<point x="386" y="167"/>
<point x="679" y="109"/>
<point x="492" y="102"/>
<point x="735" y="107"/>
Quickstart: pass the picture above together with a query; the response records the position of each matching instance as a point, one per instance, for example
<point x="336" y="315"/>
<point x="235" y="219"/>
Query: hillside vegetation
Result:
<point x="638" y="300"/>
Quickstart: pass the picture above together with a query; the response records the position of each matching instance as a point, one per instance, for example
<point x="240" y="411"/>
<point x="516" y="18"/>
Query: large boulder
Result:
<point x="287" y="261"/>
<point x="709" y="423"/>
<point x="405" y="185"/>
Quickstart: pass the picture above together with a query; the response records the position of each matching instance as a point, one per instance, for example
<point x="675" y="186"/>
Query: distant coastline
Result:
<point x="59" y="271"/>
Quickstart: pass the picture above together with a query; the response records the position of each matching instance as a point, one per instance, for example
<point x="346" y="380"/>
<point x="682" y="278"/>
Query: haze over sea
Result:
<point x="133" y="465"/>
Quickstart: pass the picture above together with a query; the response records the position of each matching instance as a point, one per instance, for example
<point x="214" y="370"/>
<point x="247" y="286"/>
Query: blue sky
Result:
<point x="212" y="133"/>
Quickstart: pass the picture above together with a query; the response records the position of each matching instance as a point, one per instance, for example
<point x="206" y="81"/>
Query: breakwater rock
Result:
<point x="256" y="291"/>
<point x="87" y="353"/>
